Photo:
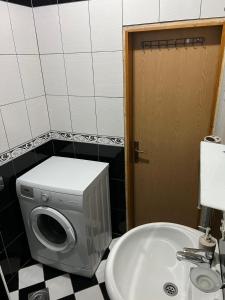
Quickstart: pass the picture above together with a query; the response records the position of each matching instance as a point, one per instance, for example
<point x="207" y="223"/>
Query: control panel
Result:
<point x="27" y="191"/>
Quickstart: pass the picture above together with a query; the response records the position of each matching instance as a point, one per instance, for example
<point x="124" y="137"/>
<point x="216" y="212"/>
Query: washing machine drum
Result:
<point x="52" y="229"/>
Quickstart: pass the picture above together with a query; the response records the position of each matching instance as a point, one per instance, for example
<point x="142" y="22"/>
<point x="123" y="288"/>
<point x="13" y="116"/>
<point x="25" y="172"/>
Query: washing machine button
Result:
<point x="44" y="197"/>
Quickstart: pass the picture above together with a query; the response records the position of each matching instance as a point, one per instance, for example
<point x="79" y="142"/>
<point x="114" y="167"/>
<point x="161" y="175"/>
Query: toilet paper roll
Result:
<point x="213" y="139"/>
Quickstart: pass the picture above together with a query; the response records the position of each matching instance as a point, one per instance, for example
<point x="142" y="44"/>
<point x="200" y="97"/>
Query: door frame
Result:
<point x="128" y="33"/>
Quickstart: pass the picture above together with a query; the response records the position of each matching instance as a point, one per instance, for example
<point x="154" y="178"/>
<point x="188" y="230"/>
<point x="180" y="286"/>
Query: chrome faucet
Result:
<point x="192" y="255"/>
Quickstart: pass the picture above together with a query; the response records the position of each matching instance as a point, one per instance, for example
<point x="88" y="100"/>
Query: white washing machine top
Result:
<point x="63" y="175"/>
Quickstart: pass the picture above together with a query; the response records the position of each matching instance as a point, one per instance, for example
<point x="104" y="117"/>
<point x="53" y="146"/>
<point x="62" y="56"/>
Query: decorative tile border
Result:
<point x="58" y="135"/>
<point x="64" y="136"/>
<point x="85" y="138"/>
<point x="88" y="138"/>
<point x="113" y="141"/>
<point x="24" y="148"/>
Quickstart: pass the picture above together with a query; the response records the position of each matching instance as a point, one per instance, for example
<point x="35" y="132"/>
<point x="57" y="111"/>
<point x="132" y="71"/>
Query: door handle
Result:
<point x="137" y="151"/>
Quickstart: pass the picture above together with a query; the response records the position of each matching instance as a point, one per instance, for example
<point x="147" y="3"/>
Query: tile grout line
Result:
<point x="78" y="96"/>
<point x="6" y="254"/>
<point x="76" y="52"/>
<point x="21" y="80"/>
<point x="65" y="73"/>
<point x="200" y="9"/>
<point x="159" y="11"/>
<point x="42" y="74"/>
<point x="22" y="54"/>
<point x="54" y="53"/>
<point x="19" y="68"/>
<point x="7" y="139"/>
<point x="26" y="99"/>
<point x="13" y="240"/>
<point x="93" y="74"/>
<point x="65" y="69"/>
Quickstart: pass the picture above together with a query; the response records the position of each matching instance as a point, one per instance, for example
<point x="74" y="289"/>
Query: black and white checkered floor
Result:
<point x="61" y="285"/>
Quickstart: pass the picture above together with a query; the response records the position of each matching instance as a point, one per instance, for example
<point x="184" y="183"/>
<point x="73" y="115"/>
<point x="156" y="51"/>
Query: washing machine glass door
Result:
<point x="52" y="229"/>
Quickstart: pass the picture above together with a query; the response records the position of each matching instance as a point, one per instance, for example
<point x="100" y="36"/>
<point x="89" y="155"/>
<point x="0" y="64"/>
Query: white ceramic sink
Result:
<point x="144" y="259"/>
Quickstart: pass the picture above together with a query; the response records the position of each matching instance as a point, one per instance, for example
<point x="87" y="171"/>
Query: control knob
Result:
<point x="44" y="197"/>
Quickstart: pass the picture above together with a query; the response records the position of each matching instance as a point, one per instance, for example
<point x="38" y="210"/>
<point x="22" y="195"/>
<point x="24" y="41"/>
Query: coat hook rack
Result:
<point x="173" y="43"/>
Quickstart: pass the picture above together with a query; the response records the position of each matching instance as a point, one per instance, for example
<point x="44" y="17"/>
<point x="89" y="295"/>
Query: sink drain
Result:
<point x="170" y="289"/>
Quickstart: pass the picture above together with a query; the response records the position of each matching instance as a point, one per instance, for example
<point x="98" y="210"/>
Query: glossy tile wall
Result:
<point x="22" y="105"/>
<point x="61" y="66"/>
<point x="80" y="46"/>
<point x="72" y="54"/>
<point x="22" y="94"/>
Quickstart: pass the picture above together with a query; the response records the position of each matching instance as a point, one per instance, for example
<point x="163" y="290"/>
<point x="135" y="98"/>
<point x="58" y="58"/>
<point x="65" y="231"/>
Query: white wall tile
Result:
<point x="212" y="8"/>
<point x="59" y="112"/>
<point x="171" y="10"/>
<point x="74" y="19"/>
<point x="31" y="75"/>
<point x="106" y="25"/>
<point x="38" y="116"/>
<point x="79" y="74"/>
<point x="10" y="82"/>
<point x="23" y="29"/>
<point x="110" y="120"/>
<point x="7" y="44"/>
<point x="108" y="74"/>
<point x="83" y="115"/>
<point x="54" y="74"/>
<point x="3" y="140"/>
<point x="16" y="123"/>
<point x="48" y="29"/>
<point x="140" y="11"/>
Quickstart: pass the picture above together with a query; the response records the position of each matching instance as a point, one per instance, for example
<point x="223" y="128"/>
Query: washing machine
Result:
<point x="65" y="205"/>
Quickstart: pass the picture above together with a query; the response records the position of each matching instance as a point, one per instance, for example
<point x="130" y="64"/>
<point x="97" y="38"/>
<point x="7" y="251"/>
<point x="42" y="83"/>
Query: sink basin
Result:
<point x="142" y="265"/>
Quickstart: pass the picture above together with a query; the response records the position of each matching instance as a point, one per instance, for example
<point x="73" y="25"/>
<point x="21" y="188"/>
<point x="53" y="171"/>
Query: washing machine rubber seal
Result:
<point x="62" y="220"/>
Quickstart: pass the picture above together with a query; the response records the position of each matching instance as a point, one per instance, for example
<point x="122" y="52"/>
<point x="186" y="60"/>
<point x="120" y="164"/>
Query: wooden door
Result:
<point x="173" y="107"/>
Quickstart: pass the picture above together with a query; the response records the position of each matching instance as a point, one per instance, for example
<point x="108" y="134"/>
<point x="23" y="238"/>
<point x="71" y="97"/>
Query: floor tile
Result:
<point x="70" y="297"/>
<point x="92" y="293"/>
<point x="62" y="286"/>
<point x="104" y="291"/>
<point x="30" y="275"/>
<point x="50" y="272"/>
<point x="100" y="273"/>
<point x="23" y="294"/>
<point x="59" y="287"/>
<point x="30" y="262"/>
<point x="13" y="283"/>
<point x="80" y="283"/>
<point x="14" y="295"/>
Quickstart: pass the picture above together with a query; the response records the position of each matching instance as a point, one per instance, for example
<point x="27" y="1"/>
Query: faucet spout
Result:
<point x="194" y="258"/>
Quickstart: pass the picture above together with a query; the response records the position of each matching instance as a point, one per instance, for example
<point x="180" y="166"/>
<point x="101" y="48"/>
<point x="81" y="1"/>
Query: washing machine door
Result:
<point x="52" y="229"/>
